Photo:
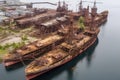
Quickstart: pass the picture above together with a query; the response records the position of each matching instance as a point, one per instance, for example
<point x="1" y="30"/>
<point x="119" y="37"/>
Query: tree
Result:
<point x="81" y="23"/>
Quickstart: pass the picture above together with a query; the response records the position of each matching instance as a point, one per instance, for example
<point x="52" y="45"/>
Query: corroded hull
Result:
<point x="63" y="61"/>
<point x="32" y="54"/>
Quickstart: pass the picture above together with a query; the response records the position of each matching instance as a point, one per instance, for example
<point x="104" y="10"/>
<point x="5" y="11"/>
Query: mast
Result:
<point x="70" y="34"/>
<point x="94" y="4"/>
<point x="81" y="8"/>
<point x="59" y="6"/>
<point x="93" y="15"/>
<point x="64" y="7"/>
<point x="94" y="9"/>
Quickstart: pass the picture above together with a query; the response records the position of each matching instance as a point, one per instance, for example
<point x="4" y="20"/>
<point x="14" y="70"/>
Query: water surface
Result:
<point x="100" y="62"/>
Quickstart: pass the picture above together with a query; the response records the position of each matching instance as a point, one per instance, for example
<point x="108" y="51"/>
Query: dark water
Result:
<point x="100" y="62"/>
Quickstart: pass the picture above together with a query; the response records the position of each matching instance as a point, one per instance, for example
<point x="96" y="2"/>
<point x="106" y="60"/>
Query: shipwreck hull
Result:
<point x="62" y="62"/>
<point x="33" y="54"/>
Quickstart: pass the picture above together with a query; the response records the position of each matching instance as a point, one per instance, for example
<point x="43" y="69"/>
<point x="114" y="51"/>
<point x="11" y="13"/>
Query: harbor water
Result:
<point x="100" y="62"/>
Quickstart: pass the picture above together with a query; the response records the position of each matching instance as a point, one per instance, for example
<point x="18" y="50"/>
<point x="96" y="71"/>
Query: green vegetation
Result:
<point x="1" y="29"/>
<point x="11" y="46"/>
<point x="5" y="48"/>
<point x="2" y="51"/>
<point x="24" y="37"/>
<point x="81" y="23"/>
<point x="6" y="31"/>
<point x="11" y="30"/>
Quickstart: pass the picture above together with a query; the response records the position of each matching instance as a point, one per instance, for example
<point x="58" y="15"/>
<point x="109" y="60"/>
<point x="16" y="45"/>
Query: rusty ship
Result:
<point x="31" y="50"/>
<point x="61" y="55"/>
<point x="47" y="22"/>
<point x="76" y="42"/>
<point x="64" y="38"/>
<point x="40" y="46"/>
